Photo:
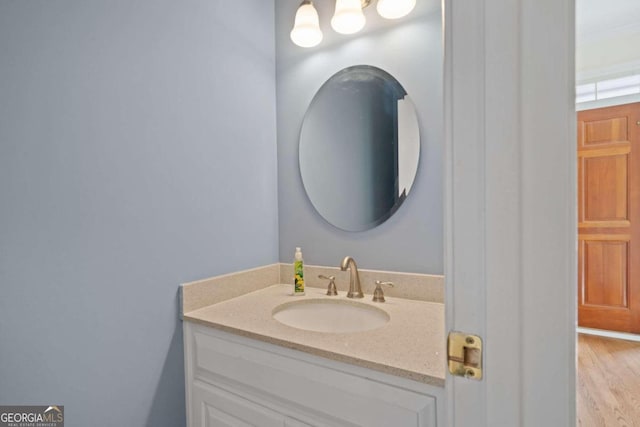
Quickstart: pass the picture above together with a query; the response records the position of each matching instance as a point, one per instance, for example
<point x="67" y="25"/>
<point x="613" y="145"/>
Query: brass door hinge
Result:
<point x="464" y="354"/>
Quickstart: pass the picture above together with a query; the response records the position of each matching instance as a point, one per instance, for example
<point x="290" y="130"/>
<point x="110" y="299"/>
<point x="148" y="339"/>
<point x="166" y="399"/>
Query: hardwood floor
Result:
<point x="608" y="382"/>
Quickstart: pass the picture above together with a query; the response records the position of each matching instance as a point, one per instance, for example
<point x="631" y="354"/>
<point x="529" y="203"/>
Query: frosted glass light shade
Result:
<point x="306" y="29"/>
<point x="394" y="9"/>
<point x="348" y="17"/>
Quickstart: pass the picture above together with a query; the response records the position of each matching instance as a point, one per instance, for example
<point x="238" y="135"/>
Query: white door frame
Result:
<point x="510" y="208"/>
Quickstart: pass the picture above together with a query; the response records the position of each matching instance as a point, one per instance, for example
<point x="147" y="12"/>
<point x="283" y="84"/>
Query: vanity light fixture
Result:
<point x="306" y="30"/>
<point x="348" y="18"/>
<point x="394" y="9"/>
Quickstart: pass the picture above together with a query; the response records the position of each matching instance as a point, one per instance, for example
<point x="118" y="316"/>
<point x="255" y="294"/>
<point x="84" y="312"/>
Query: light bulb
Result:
<point x="394" y="9"/>
<point x="306" y="29"/>
<point x="348" y="17"/>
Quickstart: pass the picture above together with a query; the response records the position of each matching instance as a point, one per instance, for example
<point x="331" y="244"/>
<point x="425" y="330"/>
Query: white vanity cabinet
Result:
<point x="232" y="380"/>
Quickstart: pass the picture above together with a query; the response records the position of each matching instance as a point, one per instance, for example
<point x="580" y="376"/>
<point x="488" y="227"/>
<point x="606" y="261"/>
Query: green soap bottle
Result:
<point x="298" y="269"/>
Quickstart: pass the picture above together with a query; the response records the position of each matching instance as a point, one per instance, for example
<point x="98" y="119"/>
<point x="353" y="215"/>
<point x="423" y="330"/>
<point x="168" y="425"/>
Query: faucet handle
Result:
<point x="331" y="289"/>
<point x="378" y="294"/>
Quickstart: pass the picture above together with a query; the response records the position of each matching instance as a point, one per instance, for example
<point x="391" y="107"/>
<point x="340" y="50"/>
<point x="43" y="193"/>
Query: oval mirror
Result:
<point x="359" y="148"/>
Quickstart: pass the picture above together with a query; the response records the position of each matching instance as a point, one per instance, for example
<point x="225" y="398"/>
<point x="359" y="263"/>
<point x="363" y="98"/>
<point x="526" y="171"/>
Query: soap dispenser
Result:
<point x="298" y="273"/>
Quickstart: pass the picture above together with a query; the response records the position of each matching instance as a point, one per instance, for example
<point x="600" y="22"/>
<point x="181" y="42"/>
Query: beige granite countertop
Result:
<point x="410" y="345"/>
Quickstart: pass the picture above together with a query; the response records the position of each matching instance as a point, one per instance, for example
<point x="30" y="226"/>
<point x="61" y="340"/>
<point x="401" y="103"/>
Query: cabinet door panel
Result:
<point x="213" y="407"/>
<point x="213" y="417"/>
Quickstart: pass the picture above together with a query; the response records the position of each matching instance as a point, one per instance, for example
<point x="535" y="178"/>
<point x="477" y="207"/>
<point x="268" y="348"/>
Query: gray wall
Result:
<point x="137" y="151"/>
<point x="411" y="50"/>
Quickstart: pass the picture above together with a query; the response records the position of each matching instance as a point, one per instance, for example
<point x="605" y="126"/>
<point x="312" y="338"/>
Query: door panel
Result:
<point x="606" y="131"/>
<point x="605" y="273"/>
<point x="609" y="218"/>
<point x="605" y="189"/>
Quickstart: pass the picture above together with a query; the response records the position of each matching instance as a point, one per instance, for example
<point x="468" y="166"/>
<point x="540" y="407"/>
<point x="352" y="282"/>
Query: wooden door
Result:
<point x="609" y="218"/>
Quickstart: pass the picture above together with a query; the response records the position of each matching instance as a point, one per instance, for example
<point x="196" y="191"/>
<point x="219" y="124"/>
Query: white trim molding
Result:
<point x="609" y="102"/>
<point x="609" y="334"/>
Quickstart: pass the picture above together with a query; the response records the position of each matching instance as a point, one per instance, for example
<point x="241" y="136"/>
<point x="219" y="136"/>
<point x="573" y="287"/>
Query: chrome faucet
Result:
<point x="355" y="290"/>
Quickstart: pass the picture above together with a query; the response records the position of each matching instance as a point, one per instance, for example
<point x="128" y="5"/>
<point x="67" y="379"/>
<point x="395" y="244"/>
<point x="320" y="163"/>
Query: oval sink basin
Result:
<point x="333" y="316"/>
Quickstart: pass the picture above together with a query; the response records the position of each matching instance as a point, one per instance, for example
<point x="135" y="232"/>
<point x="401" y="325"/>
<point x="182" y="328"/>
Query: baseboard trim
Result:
<point x="609" y="334"/>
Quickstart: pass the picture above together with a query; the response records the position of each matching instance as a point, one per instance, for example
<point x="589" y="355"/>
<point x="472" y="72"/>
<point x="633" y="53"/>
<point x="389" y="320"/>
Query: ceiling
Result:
<point x="604" y="18"/>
